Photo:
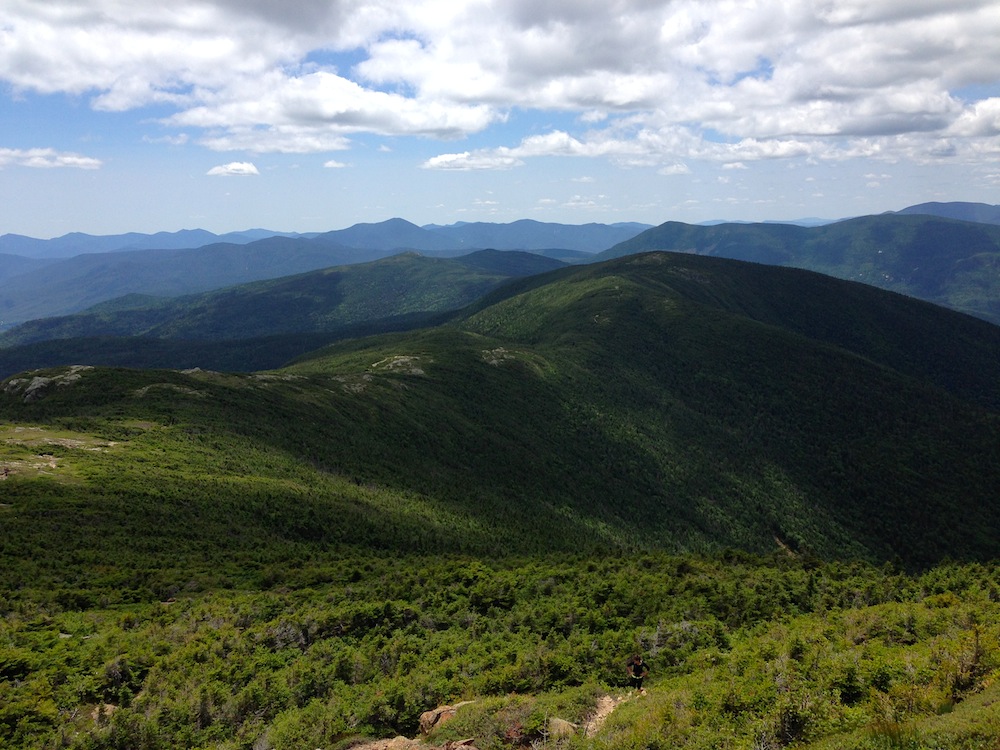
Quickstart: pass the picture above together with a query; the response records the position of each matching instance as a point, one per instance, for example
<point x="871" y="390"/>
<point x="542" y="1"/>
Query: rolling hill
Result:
<point x="265" y="324"/>
<point x="653" y="402"/>
<point x="80" y="282"/>
<point x="944" y="261"/>
<point x="316" y="301"/>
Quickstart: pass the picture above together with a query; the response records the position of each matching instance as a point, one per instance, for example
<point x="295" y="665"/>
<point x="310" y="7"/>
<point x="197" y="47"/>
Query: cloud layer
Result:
<point x="656" y="83"/>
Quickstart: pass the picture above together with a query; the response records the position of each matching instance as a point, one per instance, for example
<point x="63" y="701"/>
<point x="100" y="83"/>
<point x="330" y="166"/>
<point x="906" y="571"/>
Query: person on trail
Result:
<point x="637" y="670"/>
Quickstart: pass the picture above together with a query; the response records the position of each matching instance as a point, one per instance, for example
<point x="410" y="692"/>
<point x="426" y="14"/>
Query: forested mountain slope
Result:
<point x="944" y="261"/>
<point x="501" y="507"/>
<point x="313" y="302"/>
<point x="656" y="402"/>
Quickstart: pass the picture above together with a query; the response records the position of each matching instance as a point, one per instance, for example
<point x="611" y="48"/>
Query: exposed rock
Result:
<point x="430" y="720"/>
<point x="36" y="387"/>
<point x="406" y="364"/>
<point x="559" y="728"/>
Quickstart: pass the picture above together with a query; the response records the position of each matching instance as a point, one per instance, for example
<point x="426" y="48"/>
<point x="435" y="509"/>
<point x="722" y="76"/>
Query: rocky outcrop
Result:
<point x="36" y="387"/>
<point x="430" y="720"/>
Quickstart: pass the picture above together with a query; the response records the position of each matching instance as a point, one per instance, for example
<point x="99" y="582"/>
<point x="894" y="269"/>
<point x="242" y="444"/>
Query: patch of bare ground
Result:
<point x="606" y="704"/>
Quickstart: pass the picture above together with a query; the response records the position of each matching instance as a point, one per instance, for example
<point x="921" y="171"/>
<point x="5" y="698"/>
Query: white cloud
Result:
<point x="665" y="81"/>
<point x="333" y="164"/>
<point x="45" y="158"/>
<point x="466" y="161"/>
<point x="234" y="169"/>
<point x="675" y="169"/>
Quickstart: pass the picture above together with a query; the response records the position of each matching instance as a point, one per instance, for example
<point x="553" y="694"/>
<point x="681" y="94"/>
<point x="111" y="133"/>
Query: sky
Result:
<point x="312" y="115"/>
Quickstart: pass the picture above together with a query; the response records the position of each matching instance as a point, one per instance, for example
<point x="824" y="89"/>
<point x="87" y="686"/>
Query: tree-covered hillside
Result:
<point x="655" y="402"/>
<point x="313" y="302"/>
<point x="780" y="486"/>
<point x="947" y="262"/>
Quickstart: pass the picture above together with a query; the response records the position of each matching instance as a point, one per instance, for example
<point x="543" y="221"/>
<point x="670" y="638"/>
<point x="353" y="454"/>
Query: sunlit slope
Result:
<point x="655" y="402"/>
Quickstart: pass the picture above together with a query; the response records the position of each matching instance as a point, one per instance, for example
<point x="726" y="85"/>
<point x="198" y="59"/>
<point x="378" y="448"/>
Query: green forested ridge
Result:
<point x="503" y="507"/>
<point x="945" y="261"/>
<point x="318" y="301"/>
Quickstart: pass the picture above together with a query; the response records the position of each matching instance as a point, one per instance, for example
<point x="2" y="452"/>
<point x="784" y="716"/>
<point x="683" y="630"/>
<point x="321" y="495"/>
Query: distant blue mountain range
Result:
<point x="393" y="234"/>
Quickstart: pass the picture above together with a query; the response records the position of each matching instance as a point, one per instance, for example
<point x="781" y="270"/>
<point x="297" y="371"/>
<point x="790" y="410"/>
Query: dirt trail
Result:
<point x="605" y="705"/>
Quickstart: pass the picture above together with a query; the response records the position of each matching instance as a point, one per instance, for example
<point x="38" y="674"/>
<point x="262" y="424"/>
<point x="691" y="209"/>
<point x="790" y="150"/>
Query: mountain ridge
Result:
<point x="313" y="302"/>
<point x="660" y="401"/>
<point x="945" y="261"/>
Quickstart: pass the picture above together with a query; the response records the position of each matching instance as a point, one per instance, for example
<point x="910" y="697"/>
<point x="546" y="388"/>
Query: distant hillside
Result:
<point x="659" y="401"/>
<point x="78" y="243"/>
<point x="73" y="284"/>
<point x="315" y="302"/>
<point x="978" y="212"/>
<point x="951" y="263"/>
<point x="15" y="265"/>
<point x="392" y="234"/>
<point x="527" y="234"/>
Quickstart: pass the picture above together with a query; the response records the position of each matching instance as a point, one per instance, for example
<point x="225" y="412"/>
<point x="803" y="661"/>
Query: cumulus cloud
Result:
<point x="45" y="158"/>
<point x="233" y="169"/>
<point x="465" y="161"/>
<point x="662" y="81"/>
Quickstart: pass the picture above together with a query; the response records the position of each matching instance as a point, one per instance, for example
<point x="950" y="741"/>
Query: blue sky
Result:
<point x="309" y="115"/>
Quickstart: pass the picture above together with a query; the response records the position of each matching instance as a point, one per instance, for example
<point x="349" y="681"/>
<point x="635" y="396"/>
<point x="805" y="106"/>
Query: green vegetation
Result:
<point x="944" y="261"/>
<point x="713" y="462"/>
<point x="314" y="302"/>
<point x="746" y="653"/>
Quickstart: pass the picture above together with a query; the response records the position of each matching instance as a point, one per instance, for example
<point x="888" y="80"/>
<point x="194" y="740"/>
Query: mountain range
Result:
<point x="661" y="401"/>
<point x="393" y="234"/>
<point x="492" y="476"/>
<point x="33" y="288"/>
<point x="264" y="324"/>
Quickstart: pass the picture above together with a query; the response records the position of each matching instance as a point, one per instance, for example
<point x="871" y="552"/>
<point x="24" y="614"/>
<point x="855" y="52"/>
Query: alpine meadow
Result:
<point x="437" y="499"/>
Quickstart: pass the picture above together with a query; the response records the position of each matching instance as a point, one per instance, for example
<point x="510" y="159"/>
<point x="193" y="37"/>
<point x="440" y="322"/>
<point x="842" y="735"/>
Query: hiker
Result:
<point x="637" y="670"/>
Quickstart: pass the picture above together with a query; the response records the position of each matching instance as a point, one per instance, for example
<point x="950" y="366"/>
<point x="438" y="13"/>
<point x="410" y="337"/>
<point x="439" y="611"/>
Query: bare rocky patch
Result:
<point x="400" y="363"/>
<point x="497" y="357"/>
<point x="36" y="386"/>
